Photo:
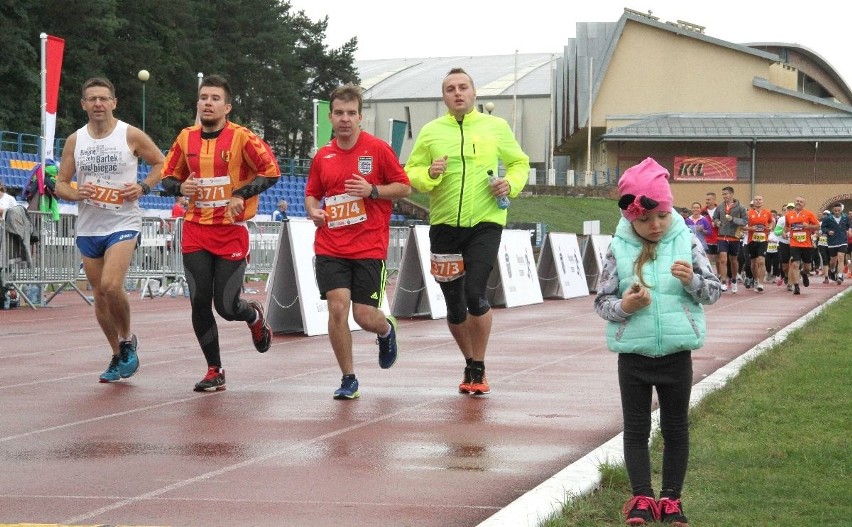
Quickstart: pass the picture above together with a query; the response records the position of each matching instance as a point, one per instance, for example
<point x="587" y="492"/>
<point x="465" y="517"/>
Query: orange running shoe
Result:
<point x="479" y="382"/>
<point x="464" y="387"/>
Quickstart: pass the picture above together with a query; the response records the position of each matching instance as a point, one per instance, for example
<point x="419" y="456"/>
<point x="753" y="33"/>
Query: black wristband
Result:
<point x="374" y="193"/>
<point x="145" y="188"/>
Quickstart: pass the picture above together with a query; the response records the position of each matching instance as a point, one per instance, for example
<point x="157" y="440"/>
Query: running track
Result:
<point x="276" y="449"/>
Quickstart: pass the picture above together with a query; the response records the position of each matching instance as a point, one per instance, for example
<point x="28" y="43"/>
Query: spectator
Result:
<point x="281" y="213"/>
<point x="654" y="283"/>
<point x="179" y="207"/>
<point x="7" y="201"/>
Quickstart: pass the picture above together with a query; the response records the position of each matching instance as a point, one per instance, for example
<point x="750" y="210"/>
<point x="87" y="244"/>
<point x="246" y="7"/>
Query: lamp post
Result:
<point x="489" y="107"/>
<point x="143" y="76"/>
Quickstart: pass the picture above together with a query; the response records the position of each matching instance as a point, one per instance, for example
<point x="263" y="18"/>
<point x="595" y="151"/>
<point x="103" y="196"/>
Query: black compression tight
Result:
<point x="214" y="281"/>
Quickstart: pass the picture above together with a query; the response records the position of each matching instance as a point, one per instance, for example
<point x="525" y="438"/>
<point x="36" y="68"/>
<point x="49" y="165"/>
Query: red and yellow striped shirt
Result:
<point x="235" y="157"/>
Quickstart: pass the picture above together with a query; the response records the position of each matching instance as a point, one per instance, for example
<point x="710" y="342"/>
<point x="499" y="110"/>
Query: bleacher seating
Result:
<point x="15" y="168"/>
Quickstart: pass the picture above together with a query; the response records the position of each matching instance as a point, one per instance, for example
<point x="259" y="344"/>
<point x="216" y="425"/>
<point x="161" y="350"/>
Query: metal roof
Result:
<point x="765" y="127"/>
<point x="420" y="78"/>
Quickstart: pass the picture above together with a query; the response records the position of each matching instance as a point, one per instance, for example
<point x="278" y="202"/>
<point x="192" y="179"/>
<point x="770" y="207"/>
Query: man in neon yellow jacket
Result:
<point x="453" y="159"/>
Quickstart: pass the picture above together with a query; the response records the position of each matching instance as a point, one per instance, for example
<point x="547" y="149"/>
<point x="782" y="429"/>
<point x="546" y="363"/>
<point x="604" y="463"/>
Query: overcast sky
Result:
<point x="396" y="28"/>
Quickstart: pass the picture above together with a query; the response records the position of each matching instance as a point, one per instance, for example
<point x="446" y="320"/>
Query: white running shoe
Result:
<point x="724" y="286"/>
<point x="733" y="287"/>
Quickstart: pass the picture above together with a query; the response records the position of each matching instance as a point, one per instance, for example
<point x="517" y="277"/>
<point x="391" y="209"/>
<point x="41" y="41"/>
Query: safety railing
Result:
<point x="49" y="258"/>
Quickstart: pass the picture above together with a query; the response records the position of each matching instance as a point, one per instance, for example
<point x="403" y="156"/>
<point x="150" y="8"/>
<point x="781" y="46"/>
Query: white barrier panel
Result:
<point x="293" y="301"/>
<point x="514" y="280"/>
<point x="417" y="292"/>
<point x="594" y="252"/>
<point x="560" y="267"/>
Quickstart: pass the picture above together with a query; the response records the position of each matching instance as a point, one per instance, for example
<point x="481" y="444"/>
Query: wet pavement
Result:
<point x="276" y="449"/>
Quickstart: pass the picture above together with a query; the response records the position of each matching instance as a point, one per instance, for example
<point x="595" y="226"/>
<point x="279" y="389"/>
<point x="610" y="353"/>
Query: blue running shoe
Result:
<point x="387" y="346"/>
<point x="111" y="373"/>
<point x="128" y="361"/>
<point x="348" y="388"/>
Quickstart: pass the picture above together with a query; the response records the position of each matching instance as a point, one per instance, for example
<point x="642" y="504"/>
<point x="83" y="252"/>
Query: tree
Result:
<point x="274" y="58"/>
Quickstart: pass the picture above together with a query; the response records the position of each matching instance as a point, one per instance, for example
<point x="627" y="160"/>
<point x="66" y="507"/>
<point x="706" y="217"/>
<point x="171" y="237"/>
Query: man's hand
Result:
<point x="358" y="186"/>
<point x="438" y="167"/>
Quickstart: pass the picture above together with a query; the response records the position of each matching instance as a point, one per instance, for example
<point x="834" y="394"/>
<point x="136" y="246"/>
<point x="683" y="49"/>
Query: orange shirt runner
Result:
<point x="760" y="223"/>
<point x="796" y="223"/>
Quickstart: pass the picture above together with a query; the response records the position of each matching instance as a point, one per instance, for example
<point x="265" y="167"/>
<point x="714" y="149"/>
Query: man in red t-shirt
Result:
<point x="179" y="207"/>
<point x="800" y="224"/>
<point x="351" y="184"/>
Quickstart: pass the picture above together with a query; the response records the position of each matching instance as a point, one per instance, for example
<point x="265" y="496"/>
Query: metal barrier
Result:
<point x="148" y="265"/>
<point x="157" y="263"/>
<point x="396" y="245"/>
<point x="55" y="259"/>
<point x="263" y="243"/>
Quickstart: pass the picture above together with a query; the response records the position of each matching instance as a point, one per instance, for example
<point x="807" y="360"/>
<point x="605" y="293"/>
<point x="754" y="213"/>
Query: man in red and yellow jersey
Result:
<point x="221" y="167"/>
<point x="760" y="224"/>
<point x="800" y="224"/>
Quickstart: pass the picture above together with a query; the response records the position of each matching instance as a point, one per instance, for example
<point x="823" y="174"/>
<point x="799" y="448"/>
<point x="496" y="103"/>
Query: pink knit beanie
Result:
<point x="643" y="188"/>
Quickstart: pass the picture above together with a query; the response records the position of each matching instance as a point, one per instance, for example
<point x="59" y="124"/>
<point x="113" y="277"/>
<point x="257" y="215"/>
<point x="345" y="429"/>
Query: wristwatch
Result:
<point x="375" y="192"/>
<point x="145" y="188"/>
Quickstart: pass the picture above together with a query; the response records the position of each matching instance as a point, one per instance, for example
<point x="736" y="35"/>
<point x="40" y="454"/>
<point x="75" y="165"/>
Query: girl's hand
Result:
<point x="635" y="298"/>
<point x="682" y="270"/>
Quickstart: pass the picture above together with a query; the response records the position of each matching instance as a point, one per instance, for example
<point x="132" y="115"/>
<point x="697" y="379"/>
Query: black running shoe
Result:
<point x="641" y="510"/>
<point x="213" y="381"/>
<point x="671" y="511"/>
<point x="261" y="333"/>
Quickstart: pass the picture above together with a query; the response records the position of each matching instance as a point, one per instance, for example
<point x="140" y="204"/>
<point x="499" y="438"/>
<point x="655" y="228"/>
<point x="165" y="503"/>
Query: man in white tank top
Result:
<point x="104" y="156"/>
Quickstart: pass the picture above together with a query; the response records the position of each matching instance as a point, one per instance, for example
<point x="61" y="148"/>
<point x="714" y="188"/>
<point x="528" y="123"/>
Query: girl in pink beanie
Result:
<point x="654" y="283"/>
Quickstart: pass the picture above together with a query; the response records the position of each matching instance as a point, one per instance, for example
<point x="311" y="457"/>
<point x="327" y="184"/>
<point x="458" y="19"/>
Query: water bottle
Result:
<point x="502" y="201"/>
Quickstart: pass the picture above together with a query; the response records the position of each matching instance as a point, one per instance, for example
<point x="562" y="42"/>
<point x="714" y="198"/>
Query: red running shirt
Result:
<point x="372" y="159"/>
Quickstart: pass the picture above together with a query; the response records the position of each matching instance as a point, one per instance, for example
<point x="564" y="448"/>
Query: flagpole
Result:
<point x="43" y="137"/>
<point x="198" y="115"/>
<point x="316" y="126"/>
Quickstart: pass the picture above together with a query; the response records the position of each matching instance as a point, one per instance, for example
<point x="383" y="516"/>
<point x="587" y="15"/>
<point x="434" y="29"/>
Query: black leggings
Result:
<point x="214" y="281"/>
<point x="672" y="376"/>
<point x="478" y="246"/>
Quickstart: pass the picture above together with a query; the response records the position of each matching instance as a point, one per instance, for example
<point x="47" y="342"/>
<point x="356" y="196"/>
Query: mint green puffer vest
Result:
<point x="674" y="321"/>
